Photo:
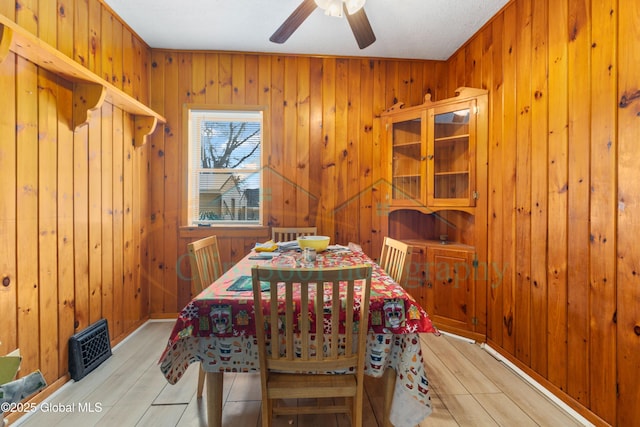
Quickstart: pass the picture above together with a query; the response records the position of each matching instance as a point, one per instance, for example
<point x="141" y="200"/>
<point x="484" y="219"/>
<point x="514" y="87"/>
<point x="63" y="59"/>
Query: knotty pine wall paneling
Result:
<point x="366" y="148"/>
<point x="578" y="204"/>
<point x="94" y="189"/>
<point x="539" y="184"/>
<point x="627" y="292"/>
<point x="557" y="229"/>
<point x="522" y="296"/>
<point x="107" y="189"/>
<point x="494" y="187"/>
<point x="64" y="227"/>
<point x="562" y="185"/>
<point x="8" y="210"/>
<point x="128" y="250"/>
<point x="26" y="194"/>
<point x="508" y="165"/>
<point x="73" y="221"/>
<point x="315" y="134"/>
<point x="602" y="253"/>
<point x="322" y="156"/>
<point x="303" y="205"/>
<point x="155" y="268"/>
<point x="171" y="182"/>
<point x="327" y="159"/>
<point x="118" y="226"/>
<point x="47" y="224"/>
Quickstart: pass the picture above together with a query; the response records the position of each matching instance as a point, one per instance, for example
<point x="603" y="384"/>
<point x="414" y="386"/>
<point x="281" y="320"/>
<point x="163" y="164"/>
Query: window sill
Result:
<point x="239" y="231"/>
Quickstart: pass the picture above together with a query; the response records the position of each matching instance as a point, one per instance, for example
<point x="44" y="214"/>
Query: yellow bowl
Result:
<point x="319" y="243"/>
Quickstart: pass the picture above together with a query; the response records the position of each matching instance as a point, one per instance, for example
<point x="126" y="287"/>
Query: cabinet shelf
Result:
<point x="451" y="173"/>
<point x="451" y="138"/>
<point x="407" y="144"/>
<point x="411" y="175"/>
<point x="89" y="90"/>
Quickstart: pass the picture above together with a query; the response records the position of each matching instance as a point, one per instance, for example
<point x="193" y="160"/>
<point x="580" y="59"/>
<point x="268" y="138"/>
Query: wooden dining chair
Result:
<point x="286" y="234"/>
<point x="206" y="267"/>
<point x="395" y="258"/>
<point x="311" y="346"/>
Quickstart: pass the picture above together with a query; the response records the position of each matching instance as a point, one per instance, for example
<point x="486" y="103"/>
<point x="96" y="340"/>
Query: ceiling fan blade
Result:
<point x="361" y="27"/>
<point x="294" y="20"/>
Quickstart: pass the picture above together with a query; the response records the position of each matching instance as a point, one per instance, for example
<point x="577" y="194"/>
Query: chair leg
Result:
<point x="201" y="376"/>
<point x="356" y="418"/>
<point x="215" y="385"/>
<point x="266" y="412"/>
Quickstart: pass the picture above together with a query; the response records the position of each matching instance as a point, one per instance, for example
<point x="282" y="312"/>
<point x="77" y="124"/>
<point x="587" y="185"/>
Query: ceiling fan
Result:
<point x="353" y="9"/>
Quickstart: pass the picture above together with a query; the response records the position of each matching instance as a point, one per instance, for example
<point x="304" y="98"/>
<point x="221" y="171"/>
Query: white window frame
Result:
<point x="192" y="192"/>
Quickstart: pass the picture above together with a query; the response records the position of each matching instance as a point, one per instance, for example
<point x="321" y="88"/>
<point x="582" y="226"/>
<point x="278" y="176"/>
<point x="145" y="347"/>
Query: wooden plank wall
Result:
<point x="563" y="80"/>
<point x="74" y="205"/>
<point x="80" y="241"/>
<point x="322" y="164"/>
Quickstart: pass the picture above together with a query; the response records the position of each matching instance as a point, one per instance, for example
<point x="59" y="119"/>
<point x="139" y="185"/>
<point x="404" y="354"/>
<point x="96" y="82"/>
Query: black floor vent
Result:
<point x="88" y="349"/>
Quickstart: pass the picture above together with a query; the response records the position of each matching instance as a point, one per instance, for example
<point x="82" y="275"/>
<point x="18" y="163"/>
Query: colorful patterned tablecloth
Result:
<point x="217" y="328"/>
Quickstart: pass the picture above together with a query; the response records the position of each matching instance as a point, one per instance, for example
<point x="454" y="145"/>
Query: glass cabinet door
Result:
<point x="408" y="166"/>
<point x="451" y="149"/>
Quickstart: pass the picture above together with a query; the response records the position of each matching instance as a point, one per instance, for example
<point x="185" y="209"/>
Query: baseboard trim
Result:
<point x="568" y="409"/>
<point x="458" y="337"/>
<point x="163" y="316"/>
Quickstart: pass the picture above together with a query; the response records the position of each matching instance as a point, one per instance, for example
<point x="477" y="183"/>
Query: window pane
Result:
<point x="230" y="145"/>
<point x="225" y="165"/>
<point x="226" y="196"/>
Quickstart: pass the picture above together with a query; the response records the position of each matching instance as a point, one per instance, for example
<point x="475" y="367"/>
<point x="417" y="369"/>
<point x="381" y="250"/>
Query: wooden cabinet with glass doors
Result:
<point x="408" y="154"/>
<point x="433" y="150"/>
<point x="451" y="153"/>
<point x="437" y="171"/>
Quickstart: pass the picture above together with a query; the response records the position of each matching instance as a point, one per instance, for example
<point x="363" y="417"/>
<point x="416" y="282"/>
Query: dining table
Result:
<point x="217" y="329"/>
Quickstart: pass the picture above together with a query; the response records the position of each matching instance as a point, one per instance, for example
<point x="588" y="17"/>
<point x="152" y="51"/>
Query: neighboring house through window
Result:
<point x="225" y="164"/>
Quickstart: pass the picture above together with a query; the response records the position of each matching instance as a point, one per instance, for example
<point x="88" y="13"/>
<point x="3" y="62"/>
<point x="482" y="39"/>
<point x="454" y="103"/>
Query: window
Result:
<point x="225" y="163"/>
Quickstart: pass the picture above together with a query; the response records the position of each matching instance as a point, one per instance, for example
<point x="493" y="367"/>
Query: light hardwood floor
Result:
<point x="469" y="388"/>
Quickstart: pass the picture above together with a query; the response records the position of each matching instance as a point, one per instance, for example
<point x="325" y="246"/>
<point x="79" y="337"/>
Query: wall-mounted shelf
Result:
<point x="89" y="90"/>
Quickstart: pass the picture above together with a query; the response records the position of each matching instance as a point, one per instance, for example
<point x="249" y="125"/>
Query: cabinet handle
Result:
<point x="430" y="156"/>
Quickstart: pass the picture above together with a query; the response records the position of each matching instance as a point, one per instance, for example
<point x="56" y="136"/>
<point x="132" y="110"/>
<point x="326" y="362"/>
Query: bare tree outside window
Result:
<point x="230" y="154"/>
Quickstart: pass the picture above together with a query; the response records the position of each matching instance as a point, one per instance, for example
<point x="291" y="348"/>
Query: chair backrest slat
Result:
<point x="318" y="307"/>
<point x="273" y="309"/>
<point x="349" y="323"/>
<point x="304" y="322"/>
<point x="288" y="326"/>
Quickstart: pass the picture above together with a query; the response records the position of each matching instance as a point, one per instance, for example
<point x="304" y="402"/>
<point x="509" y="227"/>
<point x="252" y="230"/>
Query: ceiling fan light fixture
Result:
<point x="331" y="7"/>
<point x="356" y="16"/>
<point x="353" y="5"/>
<point x="335" y="7"/>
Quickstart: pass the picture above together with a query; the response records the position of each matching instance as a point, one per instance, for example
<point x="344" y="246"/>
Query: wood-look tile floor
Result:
<point x="469" y="388"/>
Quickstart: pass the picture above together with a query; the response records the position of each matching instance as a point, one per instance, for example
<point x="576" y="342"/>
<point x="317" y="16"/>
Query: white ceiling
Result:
<point x="419" y="29"/>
